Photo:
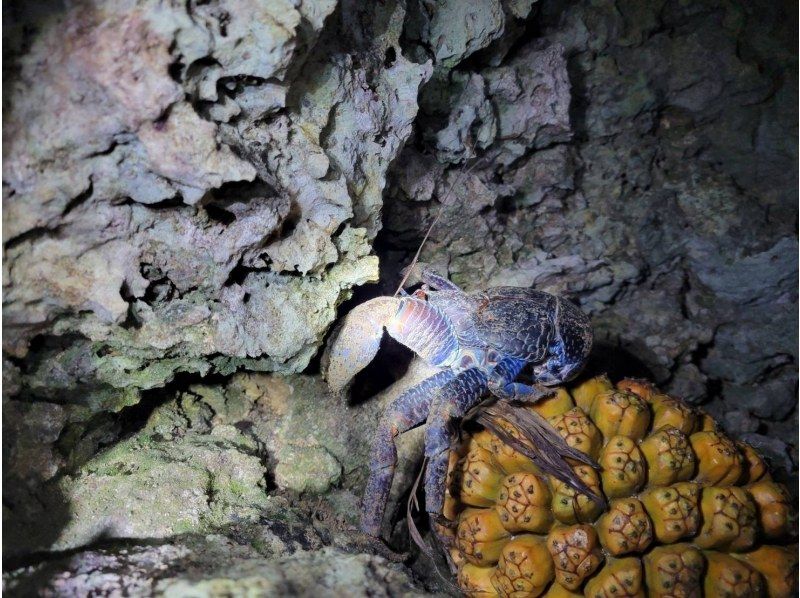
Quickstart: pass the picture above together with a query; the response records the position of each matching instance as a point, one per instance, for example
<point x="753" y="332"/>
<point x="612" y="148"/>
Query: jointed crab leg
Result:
<point x="437" y="282"/>
<point x="454" y="399"/>
<point x="502" y="385"/>
<point x="407" y="411"/>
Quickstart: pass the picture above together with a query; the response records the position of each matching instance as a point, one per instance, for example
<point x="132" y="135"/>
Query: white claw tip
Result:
<point x="356" y="341"/>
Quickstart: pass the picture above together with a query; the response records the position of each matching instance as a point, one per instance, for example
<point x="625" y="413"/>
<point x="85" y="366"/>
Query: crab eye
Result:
<point x="466" y="361"/>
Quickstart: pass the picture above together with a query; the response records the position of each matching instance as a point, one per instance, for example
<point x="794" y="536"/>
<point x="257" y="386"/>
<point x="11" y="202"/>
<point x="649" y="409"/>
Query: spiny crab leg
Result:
<point x="356" y="341"/>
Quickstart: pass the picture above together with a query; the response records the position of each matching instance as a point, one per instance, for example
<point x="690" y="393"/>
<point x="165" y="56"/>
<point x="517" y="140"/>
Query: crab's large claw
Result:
<point x="355" y="342"/>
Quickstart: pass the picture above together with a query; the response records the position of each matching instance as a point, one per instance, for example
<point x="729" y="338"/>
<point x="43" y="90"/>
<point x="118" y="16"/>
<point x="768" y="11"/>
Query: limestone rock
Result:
<point x="159" y="214"/>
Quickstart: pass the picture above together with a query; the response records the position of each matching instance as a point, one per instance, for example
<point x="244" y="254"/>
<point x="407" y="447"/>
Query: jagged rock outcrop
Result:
<point x="178" y="198"/>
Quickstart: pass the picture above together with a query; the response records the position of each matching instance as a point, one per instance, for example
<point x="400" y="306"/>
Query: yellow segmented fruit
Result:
<point x="729" y="519"/>
<point x="507" y="458"/>
<point x="577" y="429"/>
<point x="674" y="510"/>
<point x="754" y="467"/>
<point x="619" y="412"/>
<point x="554" y="405"/>
<point x="623" y="468"/>
<point x="524" y="568"/>
<point x="719" y="461"/>
<point x="625" y="527"/>
<point x="673" y="571"/>
<point x="576" y="554"/>
<point x="481" y="536"/>
<point x="571" y="506"/>
<point x="585" y="393"/>
<point x="668" y="411"/>
<point x="476" y="581"/>
<point x="620" y="578"/>
<point x="480" y="481"/>
<point x="728" y="577"/>
<point x="669" y="457"/>
<point x="706" y="423"/>
<point x="524" y="503"/>
<point x="773" y="507"/>
<point x="642" y="388"/>
<point x="690" y="512"/>
<point x="778" y="566"/>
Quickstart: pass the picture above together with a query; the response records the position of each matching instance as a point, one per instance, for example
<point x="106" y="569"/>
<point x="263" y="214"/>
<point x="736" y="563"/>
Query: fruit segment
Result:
<point x="480" y="481"/>
<point x="481" y="536"/>
<point x="508" y="459"/>
<point x="726" y="576"/>
<point x="585" y="392"/>
<point x="524" y="569"/>
<point x="674" y="571"/>
<point x="719" y="461"/>
<point x="576" y="554"/>
<point x="729" y="519"/>
<point x="620" y="578"/>
<point x="554" y="405"/>
<point x="476" y="582"/>
<point x="773" y="508"/>
<point x="577" y="429"/>
<point x="569" y="505"/>
<point x="674" y="511"/>
<point x="623" y="467"/>
<point x="625" y="527"/>
<point x="524" y="504"/>
<point x="669" y="457"/>
<point x="778" y="566"/>
<point x="619" y="412"/>
<point x="668" y="411"/>
<point x="754" y="467"/>
<point x="642" y="388"/>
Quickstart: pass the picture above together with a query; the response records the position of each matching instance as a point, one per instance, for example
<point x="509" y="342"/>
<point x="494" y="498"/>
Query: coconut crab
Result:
<point x="479" y="342"/>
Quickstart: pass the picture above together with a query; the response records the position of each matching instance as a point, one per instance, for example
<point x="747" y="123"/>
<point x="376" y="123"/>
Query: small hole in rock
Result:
<point x="390" y="57"/>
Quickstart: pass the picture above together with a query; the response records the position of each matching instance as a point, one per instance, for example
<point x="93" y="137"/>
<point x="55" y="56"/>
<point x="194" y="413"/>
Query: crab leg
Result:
<point x="410" y="409"/>
<point x="501" y="383"/>
<point x="455" y="398"/>
<point x="437" y="282"/>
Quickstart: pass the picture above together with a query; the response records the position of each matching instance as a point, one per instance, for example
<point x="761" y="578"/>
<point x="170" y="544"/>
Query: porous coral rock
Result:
<point x="131" y="218"/>
<point x="154" y="489"/>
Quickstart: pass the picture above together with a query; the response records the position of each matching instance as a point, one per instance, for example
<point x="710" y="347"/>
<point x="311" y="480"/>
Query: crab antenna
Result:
<point x="464" y="171"/>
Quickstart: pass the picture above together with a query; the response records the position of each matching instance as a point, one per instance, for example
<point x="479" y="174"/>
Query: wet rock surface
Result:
<point x="192" y="191"/>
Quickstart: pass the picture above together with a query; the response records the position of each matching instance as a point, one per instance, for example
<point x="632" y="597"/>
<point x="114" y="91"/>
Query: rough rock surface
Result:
<point x="203" y="207"/>
<point x="192" y="190"/>
<point x="207" y="457"/>
<point x="215" y="565"/>
<point x="231" y="463"/>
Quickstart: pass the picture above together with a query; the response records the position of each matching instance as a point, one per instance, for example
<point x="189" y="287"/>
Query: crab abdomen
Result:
<point x="425" y="330"/>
